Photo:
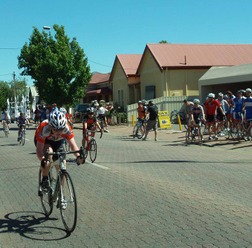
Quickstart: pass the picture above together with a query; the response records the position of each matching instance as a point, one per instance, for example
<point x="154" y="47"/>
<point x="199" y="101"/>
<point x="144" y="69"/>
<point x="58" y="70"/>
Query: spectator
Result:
<point x="152" y="111"/>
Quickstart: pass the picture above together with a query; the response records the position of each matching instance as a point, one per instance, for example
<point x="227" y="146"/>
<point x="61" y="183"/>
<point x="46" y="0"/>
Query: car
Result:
<point x="80" y="110"/>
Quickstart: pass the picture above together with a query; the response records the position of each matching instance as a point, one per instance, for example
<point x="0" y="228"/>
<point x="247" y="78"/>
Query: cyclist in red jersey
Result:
<point x="211" y="107"/>
<point x="90" y="122"/>
<point x="50" y="135"/>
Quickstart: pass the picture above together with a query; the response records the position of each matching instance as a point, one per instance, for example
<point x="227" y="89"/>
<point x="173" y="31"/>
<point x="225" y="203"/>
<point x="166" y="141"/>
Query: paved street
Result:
<point x="136" y="194"/>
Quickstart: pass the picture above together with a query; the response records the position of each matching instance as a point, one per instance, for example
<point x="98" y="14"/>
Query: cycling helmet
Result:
<point x="248" y="90"/>
<point x="211" y="95"/>
<point x="139" y="102"/>
<point x="57" y="119"/>
<point x="196" y="101"/>
<point x="220" y="94"/>
<point x="63" y="110"/>
<point x="90" y="110"/>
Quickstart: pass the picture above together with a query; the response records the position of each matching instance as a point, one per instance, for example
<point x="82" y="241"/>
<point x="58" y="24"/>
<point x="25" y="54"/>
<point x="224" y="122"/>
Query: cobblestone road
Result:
<point x="136" y="194"/>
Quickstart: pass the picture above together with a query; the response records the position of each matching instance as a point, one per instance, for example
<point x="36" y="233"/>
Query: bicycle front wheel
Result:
<point x="68" y="203"/>
<point x="45" y="196"/>
<point x="22" y="140"/>
<point x="92" y="150"/>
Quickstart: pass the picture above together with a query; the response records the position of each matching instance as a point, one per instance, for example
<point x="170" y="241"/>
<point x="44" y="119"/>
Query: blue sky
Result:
<point x="106" y="28"/>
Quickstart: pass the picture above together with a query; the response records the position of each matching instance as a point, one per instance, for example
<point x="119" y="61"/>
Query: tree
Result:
<point x="164" y="42"/>
<point x="58" y="66"/>
<point x="5" y="93"/>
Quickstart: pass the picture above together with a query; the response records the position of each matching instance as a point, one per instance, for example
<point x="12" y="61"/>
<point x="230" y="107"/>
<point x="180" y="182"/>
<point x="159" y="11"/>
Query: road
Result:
<point x="136" y="194"/>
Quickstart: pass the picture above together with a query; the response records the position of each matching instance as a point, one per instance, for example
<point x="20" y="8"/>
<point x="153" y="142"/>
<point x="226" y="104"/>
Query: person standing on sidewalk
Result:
<point x="152" y="111"/>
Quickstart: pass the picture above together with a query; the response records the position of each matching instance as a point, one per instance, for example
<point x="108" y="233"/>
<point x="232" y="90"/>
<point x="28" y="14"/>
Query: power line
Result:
<point x="10" y="48"/>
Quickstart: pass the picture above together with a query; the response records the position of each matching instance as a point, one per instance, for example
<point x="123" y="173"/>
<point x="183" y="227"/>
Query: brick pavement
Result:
<point x="152" y="194"/>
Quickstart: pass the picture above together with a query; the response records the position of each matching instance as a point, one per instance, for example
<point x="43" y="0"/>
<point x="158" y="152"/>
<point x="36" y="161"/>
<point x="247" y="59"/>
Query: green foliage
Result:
<point x="5" y="92"/>
<point x="58" y="66"/>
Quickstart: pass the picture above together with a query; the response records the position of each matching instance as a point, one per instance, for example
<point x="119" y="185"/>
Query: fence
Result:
<point x="163" y="103"/>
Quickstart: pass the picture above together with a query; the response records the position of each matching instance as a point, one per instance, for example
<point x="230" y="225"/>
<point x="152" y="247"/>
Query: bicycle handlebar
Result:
<point x="81" y="151"/>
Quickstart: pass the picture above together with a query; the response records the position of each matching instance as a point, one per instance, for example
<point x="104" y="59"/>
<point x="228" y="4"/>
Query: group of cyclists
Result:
<point x="216" y="111"/>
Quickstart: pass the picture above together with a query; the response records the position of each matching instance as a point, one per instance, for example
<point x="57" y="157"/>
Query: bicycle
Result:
<point x="91" y="145"/>
<point x="139" y="128"/>
<point x="196" y="131"/>
<point x="61" y="191"/>
<point x="5" y="128"/>
<point x="21" y="137"/>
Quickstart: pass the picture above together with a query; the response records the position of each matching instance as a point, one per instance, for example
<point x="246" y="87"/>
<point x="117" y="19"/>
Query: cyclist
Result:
<point x="247" y="107"/>
<point x="21" y="122"/>
<point x="211" y="107"/>
<point x="238" y="104"/>
<point x="50" y="135"/>
<point x="220" y="117"/>
<point x="6" y="118"/>
<point x="101" y="113"/>
<point x="198" y="116"/>
<point x="90" y="122"/>
<point x="188" y="114"/>
<point x="141" y="112"/>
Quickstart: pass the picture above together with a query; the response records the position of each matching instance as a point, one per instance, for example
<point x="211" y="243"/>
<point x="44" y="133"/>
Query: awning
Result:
<point x="102" y="91"/>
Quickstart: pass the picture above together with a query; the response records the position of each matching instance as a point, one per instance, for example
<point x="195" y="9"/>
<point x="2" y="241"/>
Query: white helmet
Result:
<point x="57" y="119"/>
<point x="63" y="110"/>
<point x="211" y="95"/>
<point x="248" y="90"/>
<point x="196" y="101"/>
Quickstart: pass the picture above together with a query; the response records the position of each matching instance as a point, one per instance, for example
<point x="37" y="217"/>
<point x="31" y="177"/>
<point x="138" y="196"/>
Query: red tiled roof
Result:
<point x="129" y="62"/>
<point x="184" y="55"/>
<point x="99" y="78"/>
<point x="102" y="91"/>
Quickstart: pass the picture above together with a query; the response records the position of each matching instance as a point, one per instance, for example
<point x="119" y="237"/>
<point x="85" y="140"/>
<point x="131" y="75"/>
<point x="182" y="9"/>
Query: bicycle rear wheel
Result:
<point x="45" y="196"/>
<point x="140" y="132"/>
<point x="68" y="203"/>
<point x="92" y="149"/>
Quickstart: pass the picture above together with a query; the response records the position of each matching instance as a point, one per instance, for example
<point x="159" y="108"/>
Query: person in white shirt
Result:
<point x="101" y="113"/>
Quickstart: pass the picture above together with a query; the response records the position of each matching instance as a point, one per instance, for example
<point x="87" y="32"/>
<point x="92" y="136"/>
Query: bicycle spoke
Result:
<point x="68" y="204"/>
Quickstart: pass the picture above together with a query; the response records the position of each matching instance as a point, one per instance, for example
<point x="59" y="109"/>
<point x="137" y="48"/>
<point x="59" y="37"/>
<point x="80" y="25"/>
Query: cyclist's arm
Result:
<point x="40" y="150"/>
<point x="73" y="146"/>
<point x="98" y="125"/>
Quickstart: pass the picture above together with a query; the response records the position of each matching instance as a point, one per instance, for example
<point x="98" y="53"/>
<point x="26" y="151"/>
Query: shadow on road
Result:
<point x="32" y="226"/>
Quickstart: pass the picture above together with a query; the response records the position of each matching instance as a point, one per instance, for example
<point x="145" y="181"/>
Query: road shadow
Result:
<point x="31" y="225"/>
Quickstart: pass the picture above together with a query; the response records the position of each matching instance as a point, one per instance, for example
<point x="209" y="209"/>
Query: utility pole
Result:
<point x="14" y="84"/>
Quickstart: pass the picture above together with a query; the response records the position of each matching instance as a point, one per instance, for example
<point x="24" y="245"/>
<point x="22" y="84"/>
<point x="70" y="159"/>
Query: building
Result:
<point x="99" y="88"/>
<point x="170" y="69"/>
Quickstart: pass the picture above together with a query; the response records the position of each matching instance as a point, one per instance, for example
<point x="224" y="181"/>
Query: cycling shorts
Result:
<point x="211" y="118"/>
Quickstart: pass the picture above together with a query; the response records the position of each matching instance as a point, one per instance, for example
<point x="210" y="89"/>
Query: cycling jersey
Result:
<point x="90" y="121"/>
<point x="197" y="113"/>
<point x="248" y="107"/>
<point x="44" y="133"/>
<point x="141" y="112"/>
<point x="211" y="107"/>
<point x="21" y="121"/>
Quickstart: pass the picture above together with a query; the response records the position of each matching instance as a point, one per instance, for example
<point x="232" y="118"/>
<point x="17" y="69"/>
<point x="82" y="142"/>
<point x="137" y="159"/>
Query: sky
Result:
<point x="107" y="28"/>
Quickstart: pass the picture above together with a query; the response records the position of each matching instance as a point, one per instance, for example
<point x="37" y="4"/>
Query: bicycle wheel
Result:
<point x="22" y="138"/>
<point x="174" y="118"/>
<point x="45" y="196"/>
<point x="68" y="203"/>
<point x="140" y="132"/>
<point x="92" y="145"/>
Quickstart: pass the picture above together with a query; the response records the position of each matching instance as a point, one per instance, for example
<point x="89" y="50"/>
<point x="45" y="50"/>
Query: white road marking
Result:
<point x="98" y="165"/>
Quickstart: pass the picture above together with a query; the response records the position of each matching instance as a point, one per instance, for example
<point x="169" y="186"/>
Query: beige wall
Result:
<point x="168" y="82"/>
<point x="120" y="84"/>
<point x="150" y="75"/>
<point x="184" y="82"/>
